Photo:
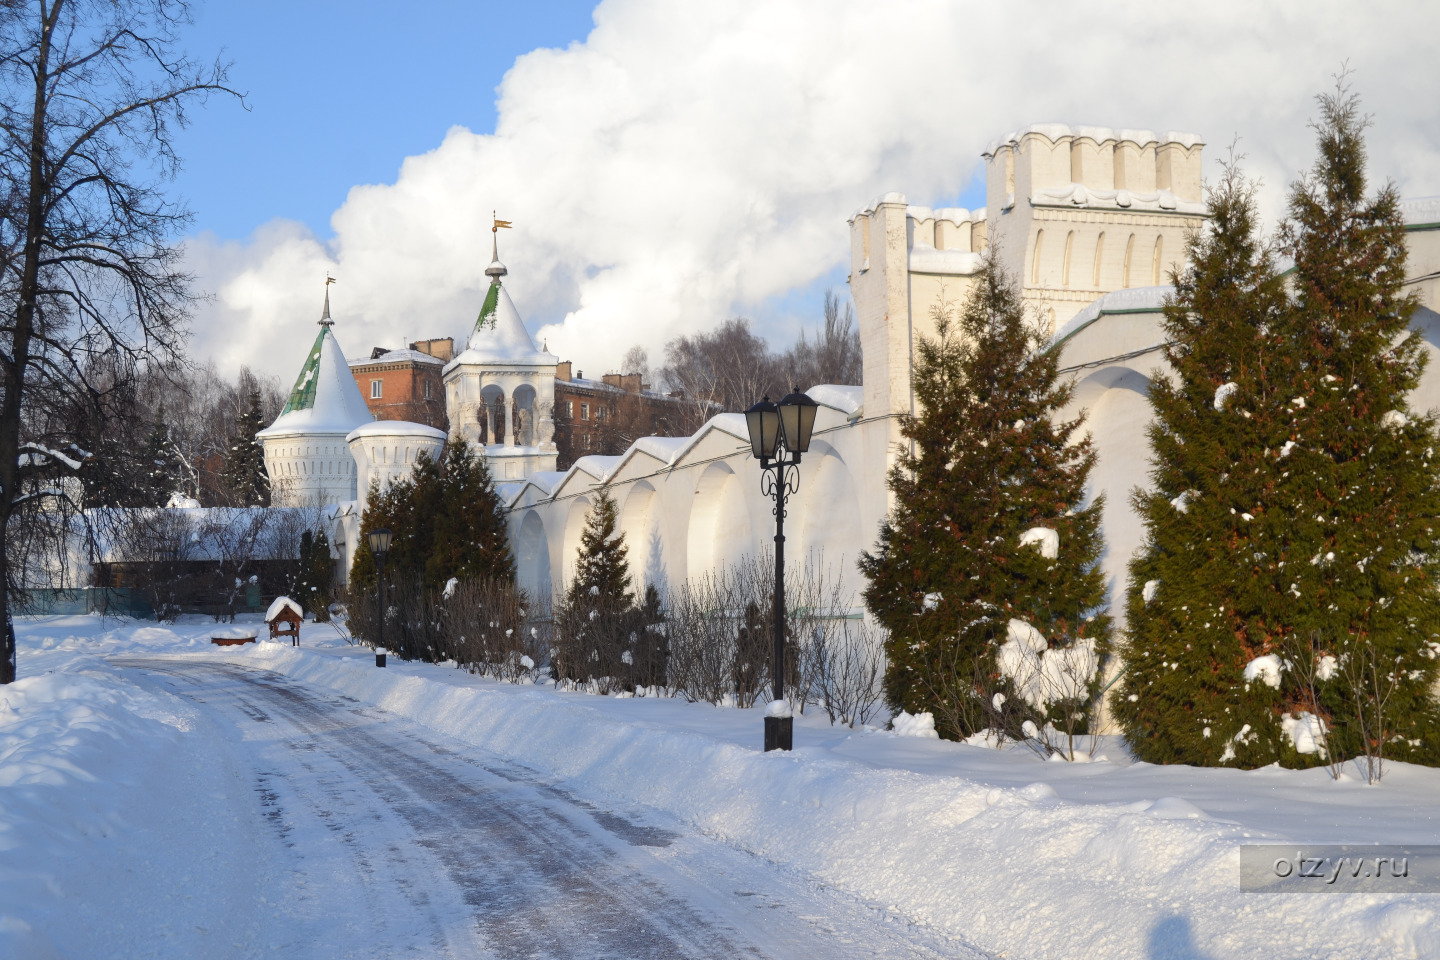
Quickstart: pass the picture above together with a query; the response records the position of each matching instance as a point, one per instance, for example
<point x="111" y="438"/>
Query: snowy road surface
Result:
<point x="365" y="835"/>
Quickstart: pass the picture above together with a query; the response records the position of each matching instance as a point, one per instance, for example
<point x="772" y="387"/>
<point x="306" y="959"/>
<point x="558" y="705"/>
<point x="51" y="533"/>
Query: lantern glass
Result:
<point x="380" y="541"/>
<point x="763" y="422"/>
<point x="797" y="421"/>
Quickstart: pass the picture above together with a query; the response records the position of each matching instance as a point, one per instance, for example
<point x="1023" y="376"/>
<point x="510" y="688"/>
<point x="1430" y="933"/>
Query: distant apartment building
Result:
<point x="605" y="416"/>
<point x="405" y="384"/>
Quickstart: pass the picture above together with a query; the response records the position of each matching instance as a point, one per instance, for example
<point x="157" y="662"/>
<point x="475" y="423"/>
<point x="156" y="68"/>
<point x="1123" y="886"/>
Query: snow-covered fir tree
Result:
<point x="244" y="472"/>
<point x="446" y="521"/>
<point x="470" y="539"/>
<point x="986" y="573"/>
<point x="159" y="474"/>
<point x="602" y="567"/>
<point x="1287" y="589"/>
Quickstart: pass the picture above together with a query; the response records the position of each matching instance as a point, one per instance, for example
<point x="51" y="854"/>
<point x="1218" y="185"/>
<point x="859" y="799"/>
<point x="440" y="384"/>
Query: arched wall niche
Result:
<point x="570" y="548"/>
<point x="828" y="519"/>
<point x="492" y="414"/>
<point x="1117" y="399"/>
<point x="640" y="522"/>
<point x="524" y="425"/>
<point x="720" y="531"/>
<point x="532" y="557"/>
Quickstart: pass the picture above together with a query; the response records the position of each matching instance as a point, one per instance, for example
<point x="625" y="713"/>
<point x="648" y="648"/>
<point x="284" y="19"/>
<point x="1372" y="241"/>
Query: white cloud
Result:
<point x="689" y="162"/>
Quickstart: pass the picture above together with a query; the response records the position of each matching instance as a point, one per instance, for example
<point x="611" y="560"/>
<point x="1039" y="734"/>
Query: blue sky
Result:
<point x="340" y="93"/>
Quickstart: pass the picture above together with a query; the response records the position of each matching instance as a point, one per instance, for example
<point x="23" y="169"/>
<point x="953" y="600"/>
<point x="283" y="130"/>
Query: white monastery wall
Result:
<point x="1090" y="221"/>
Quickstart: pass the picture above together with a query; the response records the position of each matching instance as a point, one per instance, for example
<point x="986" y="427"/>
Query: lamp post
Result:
<point x="379" y="548"/>
<point x="779" y="434"/>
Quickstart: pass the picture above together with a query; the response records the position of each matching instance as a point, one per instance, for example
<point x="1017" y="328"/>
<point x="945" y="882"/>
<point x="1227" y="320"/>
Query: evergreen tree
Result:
<point x="446" y="520"/>
<point x="158" y="476"/>
<point x="602" y="568"/>
<point x="1291" y="525"/>
<point x="244" y="472"/>
<point x="470" y="537"/>
<point x="964" y="578"/>
<point x="315" y="574"/>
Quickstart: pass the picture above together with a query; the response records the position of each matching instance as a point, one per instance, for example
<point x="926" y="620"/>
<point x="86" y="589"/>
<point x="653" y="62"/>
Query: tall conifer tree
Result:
<point x="955" y="577"/>
<point x="244" y="471"/>
<point x="470" y="537"/>
<point x="446" y="520"/>
<point x="1293" y="516"/>
<point x="602" y="568"/>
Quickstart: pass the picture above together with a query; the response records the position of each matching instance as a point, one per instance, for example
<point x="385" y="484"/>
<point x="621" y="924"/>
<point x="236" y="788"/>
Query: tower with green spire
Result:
<point x="306" y="455"/>
<point x="500" y="390"/>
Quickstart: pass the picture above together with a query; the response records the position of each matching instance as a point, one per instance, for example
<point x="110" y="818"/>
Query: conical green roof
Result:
<point x="302" y="395"/>
<point x="486" y="320"/>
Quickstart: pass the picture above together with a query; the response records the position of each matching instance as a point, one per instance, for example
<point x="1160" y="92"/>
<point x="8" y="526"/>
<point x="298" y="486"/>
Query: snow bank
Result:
<point x="918" y="725"/>
<point x="1012" y="856"/>
<point x="97" y="795"/>
<point x="1012" y="870"/>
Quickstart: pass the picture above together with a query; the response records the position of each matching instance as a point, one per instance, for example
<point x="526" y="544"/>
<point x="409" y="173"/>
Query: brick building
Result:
<point x="605" y="416"/>
<point x="405" y="384"/>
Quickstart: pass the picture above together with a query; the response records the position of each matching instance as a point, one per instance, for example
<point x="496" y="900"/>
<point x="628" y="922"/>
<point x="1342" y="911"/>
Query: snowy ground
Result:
<point x="162" y="797"/>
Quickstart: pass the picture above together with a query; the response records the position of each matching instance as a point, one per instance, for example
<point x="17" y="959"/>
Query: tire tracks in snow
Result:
<point x="541" y="872"/>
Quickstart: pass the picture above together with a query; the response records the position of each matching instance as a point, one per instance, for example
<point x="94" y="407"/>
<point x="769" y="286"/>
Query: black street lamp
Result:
<point x="779" y="434"/>
<point x="379" y="548"/>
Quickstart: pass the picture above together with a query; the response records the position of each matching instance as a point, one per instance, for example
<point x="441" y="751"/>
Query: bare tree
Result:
<point x="636" y="362"/>
<point x="726" y="369"/>
<point x="729" y="368"/>
<point x="90" y="93"/>
<point x="833" y="356"/>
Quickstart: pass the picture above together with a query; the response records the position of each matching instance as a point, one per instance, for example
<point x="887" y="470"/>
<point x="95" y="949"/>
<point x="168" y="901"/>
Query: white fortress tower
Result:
<point x="1073" y="214"/>
<point x="306" y="453"/>
<point x="386" y="451"/>
<point x="500" y="392"/>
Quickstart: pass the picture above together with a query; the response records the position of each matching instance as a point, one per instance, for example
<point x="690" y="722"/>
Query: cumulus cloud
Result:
<point x="691" y="162"/>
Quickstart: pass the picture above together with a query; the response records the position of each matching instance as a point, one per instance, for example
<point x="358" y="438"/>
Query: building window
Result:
<point x="570" y="409"/>
<point x="375" y="389"/>
<point x="585" y="412"/>
<point x="427" y="389"/>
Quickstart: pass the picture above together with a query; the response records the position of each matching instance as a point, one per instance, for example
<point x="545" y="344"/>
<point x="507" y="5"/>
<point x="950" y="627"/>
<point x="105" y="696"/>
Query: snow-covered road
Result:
<point x="366" y="835"/>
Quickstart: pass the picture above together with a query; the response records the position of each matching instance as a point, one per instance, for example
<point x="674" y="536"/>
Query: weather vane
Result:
<point x="499" y="224"/>
<point x="325" y="320"/>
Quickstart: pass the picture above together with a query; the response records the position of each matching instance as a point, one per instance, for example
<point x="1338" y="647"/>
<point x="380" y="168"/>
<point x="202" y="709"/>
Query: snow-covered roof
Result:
<point x="664" y="449"/>
<point x="1055" y="131"/>
<point x="325" y="398"/>
<point x="1132" y="300"/>
<point x="395" y="428"/>
<point x="128" y="534"/>
<point x="396" y="356"/>
<point x="848" y="400"/>
<point x="956" y="215"/>
<point x="1079" y="195"/>
<point x="597" y="466"/>
<point x="927" y="259"/>
<point x="1421" y="211"/>
<point x="283" y="603"/>
<point x="500" y="335"/>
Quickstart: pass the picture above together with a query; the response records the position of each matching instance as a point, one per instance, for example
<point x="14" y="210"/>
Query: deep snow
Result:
<point x="1018" y="856"/>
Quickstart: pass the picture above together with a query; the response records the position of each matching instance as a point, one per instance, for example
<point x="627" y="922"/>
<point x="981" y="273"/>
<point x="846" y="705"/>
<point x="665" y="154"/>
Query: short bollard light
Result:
<point x="379" y="656"/>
